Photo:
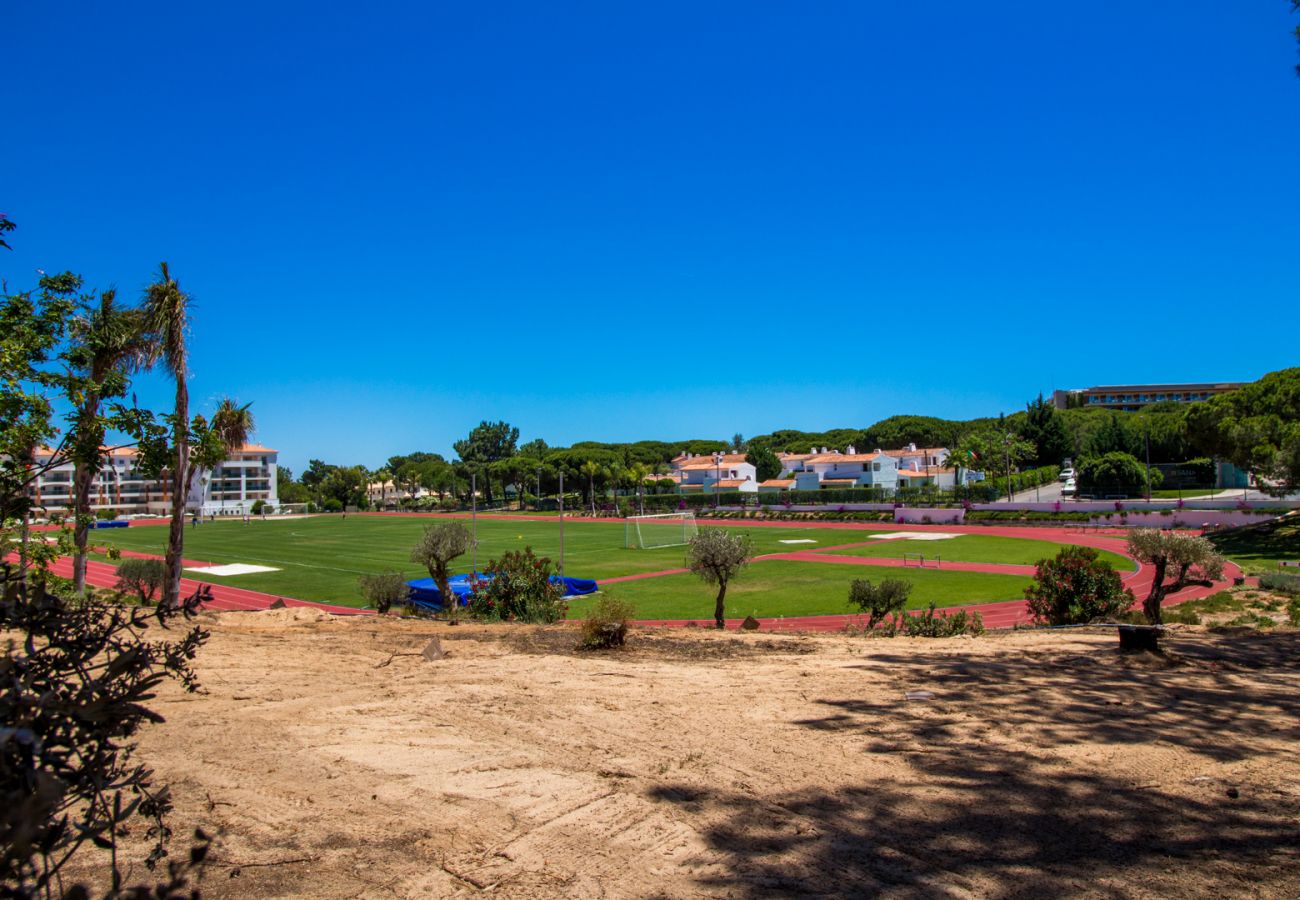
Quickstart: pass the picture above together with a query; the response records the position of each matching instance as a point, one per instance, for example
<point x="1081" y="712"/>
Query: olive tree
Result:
<point x="383" y="590"/>
<point x="717" y="556"/>
<point x="438" y="546"/>
<point x="1190" y="558"/>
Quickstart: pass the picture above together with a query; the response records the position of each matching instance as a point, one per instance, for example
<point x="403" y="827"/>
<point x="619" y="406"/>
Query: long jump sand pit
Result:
<point x="705" y="764"/>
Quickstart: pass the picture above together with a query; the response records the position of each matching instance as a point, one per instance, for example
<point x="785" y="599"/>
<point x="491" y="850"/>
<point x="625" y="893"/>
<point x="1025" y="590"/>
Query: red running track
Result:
<point x="996" y="615"/>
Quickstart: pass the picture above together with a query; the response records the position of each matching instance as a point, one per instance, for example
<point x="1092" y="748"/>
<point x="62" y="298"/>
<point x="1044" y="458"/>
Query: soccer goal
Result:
<point x="661" y="530"/>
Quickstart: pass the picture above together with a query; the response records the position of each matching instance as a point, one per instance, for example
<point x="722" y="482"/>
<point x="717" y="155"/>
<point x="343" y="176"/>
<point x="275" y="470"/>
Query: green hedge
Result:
<point x="978" y="516"/>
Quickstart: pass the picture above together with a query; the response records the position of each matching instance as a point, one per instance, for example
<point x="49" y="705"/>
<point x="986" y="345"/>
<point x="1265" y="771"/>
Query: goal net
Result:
<point x="662" y="530"/>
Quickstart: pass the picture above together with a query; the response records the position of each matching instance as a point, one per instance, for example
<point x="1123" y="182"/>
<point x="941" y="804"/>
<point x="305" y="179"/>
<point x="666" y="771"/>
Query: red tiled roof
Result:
<point x="777" y="482"/>
<point x="708" y="462"/>
<point x="731" y="482"/>
<point x="843" y="457"/>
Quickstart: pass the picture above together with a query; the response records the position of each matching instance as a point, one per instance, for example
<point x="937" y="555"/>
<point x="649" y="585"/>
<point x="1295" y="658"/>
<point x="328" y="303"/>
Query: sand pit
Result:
<point x="739" y="765"/>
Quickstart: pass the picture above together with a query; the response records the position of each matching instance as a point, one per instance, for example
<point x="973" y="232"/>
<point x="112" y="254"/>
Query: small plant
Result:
<point x="607" y="623"/>
<point x="105" y="515"/>
<point x="383" y="590"/>
<point x="1293" y="613"/>
<point x="141" y="577"/>
<point x="932" y="624"/>
<point x="879" y="601"/>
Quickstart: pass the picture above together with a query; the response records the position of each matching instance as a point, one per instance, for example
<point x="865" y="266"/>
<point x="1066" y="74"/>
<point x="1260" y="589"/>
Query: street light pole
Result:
<point x="473" y="517"/>
<point x="537" y="501"/>
<point x="561" y="523"/>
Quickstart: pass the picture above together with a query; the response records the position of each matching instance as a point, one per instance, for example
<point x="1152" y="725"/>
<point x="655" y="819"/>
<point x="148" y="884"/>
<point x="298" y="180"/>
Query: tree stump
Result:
<point x="750" y="624"/>
<point x="1139" y="637"/>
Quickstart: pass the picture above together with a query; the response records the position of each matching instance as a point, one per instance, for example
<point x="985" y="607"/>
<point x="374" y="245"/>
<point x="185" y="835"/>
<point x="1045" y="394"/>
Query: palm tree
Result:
<point x="591" y="469"/>
<point x="383" y="475"/>
<point x="639" y="472"/>
<point x="109" y="342"/>
<point x="218" y="440"/>
<point x="167" y="309"/>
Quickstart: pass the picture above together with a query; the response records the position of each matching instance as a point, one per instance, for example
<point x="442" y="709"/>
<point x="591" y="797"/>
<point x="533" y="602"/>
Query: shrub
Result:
<point x="258" y="506"/>
<point x="1116" y="472"/>
<point x="930" y="623"/>
<point x="105" y="515"/>
<point x="142" y="577"/>
<point x="1076" y="587"/>
<point x="383" y="590"/>
<point x="1280" y="584"/>
<point x="1293" y="613"/>
<point x="332" y="504"/>
<point x="879" y="601"/>
<point x="518" y="587"/>
<point x="606" y="624"/>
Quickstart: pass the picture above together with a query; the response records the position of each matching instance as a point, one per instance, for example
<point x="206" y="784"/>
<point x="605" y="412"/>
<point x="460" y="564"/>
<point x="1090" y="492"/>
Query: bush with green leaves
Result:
<point x="931" y="624"/>
<point x="1280" y="583"/>
<point x="1075" y="587"/>
<point x="257" y="507"/>
<point x="879" y="601"/>
<point x="1116" y="473"/>
<point x="518" y="588"/>
<point x="333" y="505"/>
<point x="383" y="590"/>
<point x="606" y="624"/>
<point x="141" y="577"/>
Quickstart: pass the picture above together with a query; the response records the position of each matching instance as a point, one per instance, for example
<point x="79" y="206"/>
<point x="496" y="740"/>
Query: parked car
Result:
<point x="1070" y="489"/>
<point x="1067" y="474"/>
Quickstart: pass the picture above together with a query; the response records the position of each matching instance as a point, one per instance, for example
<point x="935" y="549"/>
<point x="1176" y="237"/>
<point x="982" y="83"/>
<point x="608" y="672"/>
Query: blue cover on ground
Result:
<point x="424" y="592"/>
<point x="116" y="523"/>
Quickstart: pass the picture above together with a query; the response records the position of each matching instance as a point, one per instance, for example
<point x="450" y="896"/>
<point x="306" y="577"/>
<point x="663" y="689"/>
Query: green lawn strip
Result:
<point x="1189" y="493"/>
<point x="771" y="588"/>
<point x="1260" y="548"/>
<point x="977" y="548"/>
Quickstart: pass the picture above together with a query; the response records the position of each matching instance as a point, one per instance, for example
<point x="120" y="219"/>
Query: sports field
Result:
<point x="320" y="558"/>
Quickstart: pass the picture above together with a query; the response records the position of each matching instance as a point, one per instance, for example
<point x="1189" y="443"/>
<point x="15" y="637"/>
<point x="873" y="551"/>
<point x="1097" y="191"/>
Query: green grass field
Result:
<point x="320" y="558"/>
<point x="977" y="548"/>
<point x="770" y="588"/>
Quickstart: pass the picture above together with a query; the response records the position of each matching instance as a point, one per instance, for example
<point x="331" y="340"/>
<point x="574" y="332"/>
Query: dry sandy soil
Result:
<point x="699" y="764"/>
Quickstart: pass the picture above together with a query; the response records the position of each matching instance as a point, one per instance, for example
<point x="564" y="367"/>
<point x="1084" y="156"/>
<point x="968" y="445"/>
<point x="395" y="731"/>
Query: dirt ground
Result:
<point x="699" y="764"/>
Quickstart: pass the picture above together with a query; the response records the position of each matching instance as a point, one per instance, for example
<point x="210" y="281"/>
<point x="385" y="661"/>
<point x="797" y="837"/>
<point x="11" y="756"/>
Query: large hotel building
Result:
<point x="1133" y="397"/>
<point x="231" y="488"/>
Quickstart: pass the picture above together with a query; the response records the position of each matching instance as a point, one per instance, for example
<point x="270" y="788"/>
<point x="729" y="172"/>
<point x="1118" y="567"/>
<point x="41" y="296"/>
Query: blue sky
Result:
<point x="616" y="221"/>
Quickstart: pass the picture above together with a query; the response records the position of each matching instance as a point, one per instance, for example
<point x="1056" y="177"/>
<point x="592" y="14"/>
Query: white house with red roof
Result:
<point x="708" y="472"/>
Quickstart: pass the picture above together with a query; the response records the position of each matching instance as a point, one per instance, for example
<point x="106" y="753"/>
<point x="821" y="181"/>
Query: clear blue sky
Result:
<point x="619" y="221"/>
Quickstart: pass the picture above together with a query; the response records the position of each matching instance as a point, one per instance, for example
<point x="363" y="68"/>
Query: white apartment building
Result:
<point x="232" y="487"/>
<point x="708" y="472"/>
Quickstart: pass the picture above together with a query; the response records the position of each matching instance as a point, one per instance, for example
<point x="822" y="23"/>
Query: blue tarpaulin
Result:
<point x="116" y="523"/>
<point x="424" y="592"/>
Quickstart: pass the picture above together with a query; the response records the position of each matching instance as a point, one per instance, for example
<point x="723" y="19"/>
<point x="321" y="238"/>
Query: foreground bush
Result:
<point x="879" y="601"/>
<point x="141" y="577"/>
<point x="383" y="590"/>
<point x="518" y="588"/>
<point x="1076" y="587"/>
<point x="606" y="625"/>
<point x="73" y="698"/>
